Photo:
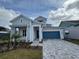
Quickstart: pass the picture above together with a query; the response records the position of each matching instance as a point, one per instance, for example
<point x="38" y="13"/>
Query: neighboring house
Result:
<point x="36" y="29"/>
<point x="71" y="29"/>
<point x="3" y="31"/>
<point x="3" y="28"/>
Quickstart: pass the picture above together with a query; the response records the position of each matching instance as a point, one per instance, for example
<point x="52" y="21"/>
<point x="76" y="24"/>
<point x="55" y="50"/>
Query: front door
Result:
<point x="36" y="33"/>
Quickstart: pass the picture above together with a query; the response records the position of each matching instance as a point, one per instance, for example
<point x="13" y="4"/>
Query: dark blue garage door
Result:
<point x="51" y="35"/>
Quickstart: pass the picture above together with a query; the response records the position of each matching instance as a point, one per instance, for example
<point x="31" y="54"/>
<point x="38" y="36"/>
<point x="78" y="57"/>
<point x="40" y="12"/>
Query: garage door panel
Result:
<point x="51" y="34"/>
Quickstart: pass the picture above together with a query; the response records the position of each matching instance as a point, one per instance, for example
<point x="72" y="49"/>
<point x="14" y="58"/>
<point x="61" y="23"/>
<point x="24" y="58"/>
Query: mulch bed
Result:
<point x="4" y="47"/>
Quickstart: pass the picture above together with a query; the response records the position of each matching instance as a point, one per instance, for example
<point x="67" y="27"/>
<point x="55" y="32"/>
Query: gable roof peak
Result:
<point x="40" y="18"/>
<point x="20" y="15"/>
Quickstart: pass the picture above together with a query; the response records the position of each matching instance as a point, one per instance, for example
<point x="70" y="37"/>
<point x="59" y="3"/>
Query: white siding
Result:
<point x="20" y="22"/>
<point x="73" y="32"/>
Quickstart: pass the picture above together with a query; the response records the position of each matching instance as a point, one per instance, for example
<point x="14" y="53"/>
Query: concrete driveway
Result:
<point x="60" y="49"/>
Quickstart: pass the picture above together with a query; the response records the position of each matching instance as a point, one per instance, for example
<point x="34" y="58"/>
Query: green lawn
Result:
<point x="75" y="41"/>
<point x="22" y="54"/>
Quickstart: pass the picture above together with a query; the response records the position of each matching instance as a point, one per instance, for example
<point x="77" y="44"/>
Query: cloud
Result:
<point x="5" y="16"/>
<point x="70" y="4"/>
<point x="70" y="11"/>
<point x="32" y="5"/>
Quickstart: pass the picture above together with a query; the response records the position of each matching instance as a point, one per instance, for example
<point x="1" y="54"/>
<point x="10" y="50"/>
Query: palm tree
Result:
<point x="15" y="37"/>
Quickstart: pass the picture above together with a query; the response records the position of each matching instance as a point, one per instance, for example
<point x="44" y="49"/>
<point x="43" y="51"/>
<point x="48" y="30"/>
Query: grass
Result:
<point x="75" y="41"/>
<point x="22" y="54"/>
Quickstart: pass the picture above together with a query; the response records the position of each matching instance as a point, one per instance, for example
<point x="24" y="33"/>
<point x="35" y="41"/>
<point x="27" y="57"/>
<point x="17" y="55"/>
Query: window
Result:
<point x="21" y="20"/>
<point x="66" y="31"/>
<point x="24" y="32"/>
<point x="40" y="20"/>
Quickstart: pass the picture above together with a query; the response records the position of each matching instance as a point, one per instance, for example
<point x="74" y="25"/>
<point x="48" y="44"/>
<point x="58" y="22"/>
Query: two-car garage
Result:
<point x="52" y="33"/>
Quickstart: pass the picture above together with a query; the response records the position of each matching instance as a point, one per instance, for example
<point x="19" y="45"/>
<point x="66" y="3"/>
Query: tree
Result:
<point x="15" y="37"/>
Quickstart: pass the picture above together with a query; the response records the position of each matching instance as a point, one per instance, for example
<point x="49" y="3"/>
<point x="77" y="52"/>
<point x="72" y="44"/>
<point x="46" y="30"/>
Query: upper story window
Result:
<point x="21" y="20"/>
<point x="40" y="20"/>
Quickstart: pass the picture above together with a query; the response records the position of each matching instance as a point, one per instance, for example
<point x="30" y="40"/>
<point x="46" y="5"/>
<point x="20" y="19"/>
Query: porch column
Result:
<point x="31" y="32"/>
<point x="61" y="34"/>
<point x="13" y="29"/>
<point x="40" y="34"/>
<point x="26" y="34"/>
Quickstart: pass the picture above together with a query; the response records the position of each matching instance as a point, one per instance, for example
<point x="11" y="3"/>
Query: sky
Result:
<point x="69" y="11"/>
<point x="54" y="10"/>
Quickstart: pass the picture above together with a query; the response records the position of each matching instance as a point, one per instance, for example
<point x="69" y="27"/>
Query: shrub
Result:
<point x="5" y="36"/>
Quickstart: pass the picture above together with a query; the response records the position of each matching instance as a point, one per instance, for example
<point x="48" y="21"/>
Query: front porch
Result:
<point x="27" y="33"/>
<point x="22" y="31"/>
